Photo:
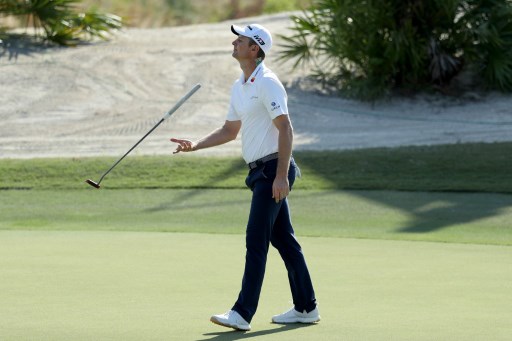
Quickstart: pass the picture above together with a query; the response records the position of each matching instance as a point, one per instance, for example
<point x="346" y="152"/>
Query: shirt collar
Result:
<point x="254" y="76"/>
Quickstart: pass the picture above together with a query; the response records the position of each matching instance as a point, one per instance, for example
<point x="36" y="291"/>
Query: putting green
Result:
<point x="77" y="285"/>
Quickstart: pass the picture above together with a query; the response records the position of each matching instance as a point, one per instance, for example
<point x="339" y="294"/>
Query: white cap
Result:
<point x="257" y="33"/>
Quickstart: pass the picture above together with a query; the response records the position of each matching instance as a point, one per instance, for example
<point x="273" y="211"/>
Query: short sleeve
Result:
<point x="274" y="97"/>
<point x="232" y="115"/>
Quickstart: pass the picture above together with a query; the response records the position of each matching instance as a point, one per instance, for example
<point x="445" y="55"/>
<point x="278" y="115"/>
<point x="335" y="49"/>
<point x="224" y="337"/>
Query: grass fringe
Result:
<point x="475" y="167"/>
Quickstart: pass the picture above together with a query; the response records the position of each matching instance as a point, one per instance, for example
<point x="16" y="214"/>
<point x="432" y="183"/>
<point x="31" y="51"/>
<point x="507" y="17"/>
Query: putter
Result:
<point x="166" y="116"/>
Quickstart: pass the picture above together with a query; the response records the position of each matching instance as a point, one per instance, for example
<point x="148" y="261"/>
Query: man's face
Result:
<point x="242" y="50"/>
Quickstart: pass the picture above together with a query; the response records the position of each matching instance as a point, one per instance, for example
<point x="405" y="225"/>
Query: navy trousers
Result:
<point x="269" y="222"/>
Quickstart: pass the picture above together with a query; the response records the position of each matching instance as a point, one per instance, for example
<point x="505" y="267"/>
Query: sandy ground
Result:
<point x="99" y="99"/>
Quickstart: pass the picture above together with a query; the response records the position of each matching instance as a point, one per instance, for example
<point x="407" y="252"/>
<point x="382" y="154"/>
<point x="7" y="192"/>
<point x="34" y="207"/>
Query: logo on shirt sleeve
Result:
<point x="274" y="106"/>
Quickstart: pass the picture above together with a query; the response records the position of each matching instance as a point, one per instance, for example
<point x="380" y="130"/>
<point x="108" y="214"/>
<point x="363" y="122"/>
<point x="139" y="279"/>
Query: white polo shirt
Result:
<point x="256" y="103"/>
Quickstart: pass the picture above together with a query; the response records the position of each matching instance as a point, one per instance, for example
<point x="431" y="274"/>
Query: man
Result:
<point x="259" y="107"/>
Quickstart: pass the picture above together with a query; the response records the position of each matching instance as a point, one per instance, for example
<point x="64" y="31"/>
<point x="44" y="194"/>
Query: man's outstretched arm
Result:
<point x="224" y="134"/>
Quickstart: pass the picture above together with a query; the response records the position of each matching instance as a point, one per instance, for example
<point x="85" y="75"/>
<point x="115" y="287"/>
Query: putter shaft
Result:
<point x="167" y="115"/>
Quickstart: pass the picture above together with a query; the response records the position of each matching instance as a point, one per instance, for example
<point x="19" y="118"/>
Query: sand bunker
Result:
<point x="99" y="99"/>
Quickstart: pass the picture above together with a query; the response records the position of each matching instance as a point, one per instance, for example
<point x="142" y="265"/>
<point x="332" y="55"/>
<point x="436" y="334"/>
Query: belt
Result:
<point x="261" y="161"/>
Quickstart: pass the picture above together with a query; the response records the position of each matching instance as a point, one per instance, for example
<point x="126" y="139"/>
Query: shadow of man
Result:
<point x="240" y="335"/>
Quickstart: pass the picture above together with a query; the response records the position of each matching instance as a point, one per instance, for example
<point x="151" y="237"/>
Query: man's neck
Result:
<point x="248" y="68"/>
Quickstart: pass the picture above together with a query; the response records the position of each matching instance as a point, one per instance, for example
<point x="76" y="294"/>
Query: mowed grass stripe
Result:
<point x="477" y="167"/>
<point x="159" y="286"/>
<point x="479" y="218"/>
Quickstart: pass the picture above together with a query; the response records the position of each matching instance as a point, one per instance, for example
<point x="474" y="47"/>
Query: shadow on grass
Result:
<point x="177" y="203"/>
<point x="239" y="335"/>
<point x="430" y="210"/>
<point x="434" y="211"/>
<point x="425" y="183"/>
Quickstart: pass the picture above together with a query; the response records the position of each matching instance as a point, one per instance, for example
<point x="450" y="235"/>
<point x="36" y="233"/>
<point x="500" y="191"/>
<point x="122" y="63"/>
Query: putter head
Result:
<point x="92" y="183"/>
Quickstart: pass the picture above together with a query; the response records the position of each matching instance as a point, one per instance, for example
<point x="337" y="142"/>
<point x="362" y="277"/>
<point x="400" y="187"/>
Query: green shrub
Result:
<point x="366" y="48"/>
<point x="275" y="6"/>
<point x="59" y="20"/>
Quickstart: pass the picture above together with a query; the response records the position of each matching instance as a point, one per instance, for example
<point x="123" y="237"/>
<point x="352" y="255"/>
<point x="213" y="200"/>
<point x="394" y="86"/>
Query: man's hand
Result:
<point x="280" y="188"/>
<point x="217" y="137"/>
<point x="184" y="145"/>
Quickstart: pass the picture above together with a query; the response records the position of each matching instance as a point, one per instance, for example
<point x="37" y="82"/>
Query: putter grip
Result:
<point x="181" y="101"/>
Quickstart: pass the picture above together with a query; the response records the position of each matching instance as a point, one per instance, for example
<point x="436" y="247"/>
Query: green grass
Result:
<point x="78" y="263"/>
<point x="160" y="286"/>
<point x="155" y="13"/>
<point x="475" y="167"/>
<point x="479" y="218"/>
<point x="441" y="193"/>
<point x="161" y="13"/>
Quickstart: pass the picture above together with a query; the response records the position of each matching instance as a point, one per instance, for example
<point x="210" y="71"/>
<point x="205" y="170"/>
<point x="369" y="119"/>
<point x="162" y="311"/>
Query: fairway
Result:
<point x="100" y="285"/>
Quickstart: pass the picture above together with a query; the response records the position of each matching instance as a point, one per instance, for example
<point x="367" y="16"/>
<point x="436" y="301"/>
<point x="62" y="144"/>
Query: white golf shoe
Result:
<point x="294" y="316"/>
<point x="231" y="319"/>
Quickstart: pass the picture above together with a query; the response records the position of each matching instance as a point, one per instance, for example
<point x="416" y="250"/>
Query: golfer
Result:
<point x="259" y="108"/>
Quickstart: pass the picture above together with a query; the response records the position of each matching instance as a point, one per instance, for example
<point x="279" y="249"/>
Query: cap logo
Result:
<point x="259" y="40"/>
<point x="249" y="27"/>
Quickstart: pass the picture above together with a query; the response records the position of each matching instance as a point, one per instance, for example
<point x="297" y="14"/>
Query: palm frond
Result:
<point x="60" y="21"/>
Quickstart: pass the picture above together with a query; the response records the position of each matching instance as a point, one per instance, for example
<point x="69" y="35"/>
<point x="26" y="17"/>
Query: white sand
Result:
<point x="101" y="98"/>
